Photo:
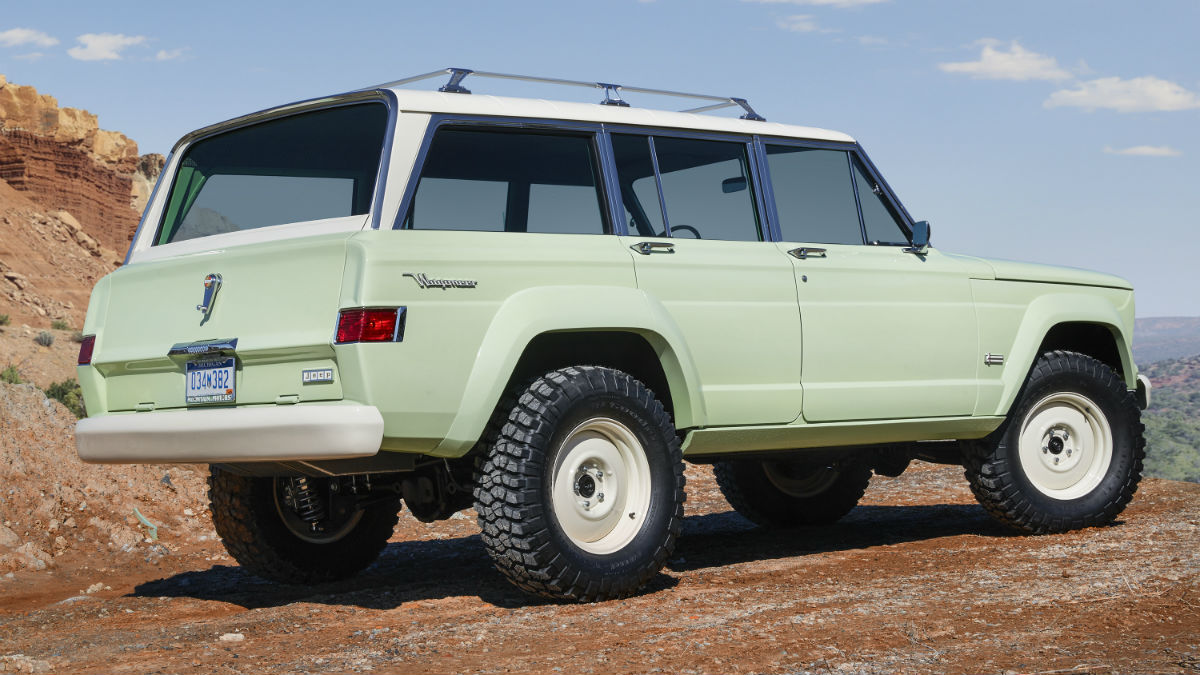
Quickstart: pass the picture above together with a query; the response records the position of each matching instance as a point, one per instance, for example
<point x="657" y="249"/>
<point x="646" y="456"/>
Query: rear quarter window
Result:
<point x="311" y="166"/>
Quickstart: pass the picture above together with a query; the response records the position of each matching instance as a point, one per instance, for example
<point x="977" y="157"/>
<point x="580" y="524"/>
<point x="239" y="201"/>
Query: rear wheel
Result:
<point x="289" y="529"/>
<point x="1069" y="455"/>
<point x="581" y="494"/>
<point x="788" y="494"/>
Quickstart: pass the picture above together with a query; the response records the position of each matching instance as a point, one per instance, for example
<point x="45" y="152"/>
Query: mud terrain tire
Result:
<point x="246" y="517"/>
<point x="570" y="437"/>
<point x="791" y="494"/>
<point x="1070" y="453"/>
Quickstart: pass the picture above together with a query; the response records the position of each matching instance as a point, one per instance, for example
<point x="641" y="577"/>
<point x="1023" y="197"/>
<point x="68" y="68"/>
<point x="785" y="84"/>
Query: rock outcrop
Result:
<point x="63" y="160"/>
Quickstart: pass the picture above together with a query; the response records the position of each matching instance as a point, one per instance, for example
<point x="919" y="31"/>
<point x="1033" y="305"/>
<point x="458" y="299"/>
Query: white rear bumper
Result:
<point x="268" y="433"/>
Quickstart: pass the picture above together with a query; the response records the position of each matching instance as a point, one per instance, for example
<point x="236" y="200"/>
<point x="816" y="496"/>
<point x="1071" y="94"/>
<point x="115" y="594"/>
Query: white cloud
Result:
<point x="169" y="54"/>
<point x="1145" y="151"/>
<point x="31" y="56"/>
<point x="839" y="4"/>
<point x="15" y="37"/>
<point x="798" y="23"/>
<point x="103" y="46"/>
<point x="1140" y="94"/>
<point x="1017" y="63"/>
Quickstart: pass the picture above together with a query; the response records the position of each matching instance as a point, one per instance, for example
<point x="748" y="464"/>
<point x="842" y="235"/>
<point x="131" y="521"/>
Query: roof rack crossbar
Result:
<point x="612" y="92"/>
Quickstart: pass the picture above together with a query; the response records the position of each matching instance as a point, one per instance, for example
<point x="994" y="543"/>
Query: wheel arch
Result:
<point x="550" y="327"/>
<point x="1076" y="322"/>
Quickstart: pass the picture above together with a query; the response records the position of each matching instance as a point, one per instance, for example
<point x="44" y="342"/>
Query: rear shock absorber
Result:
<point x="305" y="500"/>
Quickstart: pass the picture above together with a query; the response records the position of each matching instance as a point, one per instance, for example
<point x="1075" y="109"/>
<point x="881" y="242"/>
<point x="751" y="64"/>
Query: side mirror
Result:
<point x="920" y="238"/>
<point x="733" y="184"/>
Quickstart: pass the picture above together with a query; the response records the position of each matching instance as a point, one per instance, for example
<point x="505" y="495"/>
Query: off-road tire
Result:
<point x="520" y="527"/>
<point x="1000" y="482"/>
<point x="245" y="517"/>
<point x="750" y="491"/>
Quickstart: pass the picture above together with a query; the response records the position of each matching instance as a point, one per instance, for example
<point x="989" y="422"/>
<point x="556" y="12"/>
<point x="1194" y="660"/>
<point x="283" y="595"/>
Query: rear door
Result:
<point x="696" y="234"/>
<point x="245" y="266"/>
<point x="887" y="334"/>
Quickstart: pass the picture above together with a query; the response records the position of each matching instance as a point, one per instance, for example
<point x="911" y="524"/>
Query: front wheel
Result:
<point x="1070" y="454"/>
<point x="581" y="494"/>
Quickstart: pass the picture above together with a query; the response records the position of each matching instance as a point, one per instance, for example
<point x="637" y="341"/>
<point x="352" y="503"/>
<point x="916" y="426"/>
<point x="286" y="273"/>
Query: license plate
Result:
<point x="210" y="381"/>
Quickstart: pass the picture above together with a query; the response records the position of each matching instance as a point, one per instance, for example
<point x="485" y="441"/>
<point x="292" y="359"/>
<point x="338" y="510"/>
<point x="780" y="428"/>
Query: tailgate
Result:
<point x="278" y="300"/>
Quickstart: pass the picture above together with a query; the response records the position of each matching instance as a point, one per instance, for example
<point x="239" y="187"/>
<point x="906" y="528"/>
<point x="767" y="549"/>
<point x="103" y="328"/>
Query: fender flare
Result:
<point x="1043" y="314"/>
<point x="546" y="309"/>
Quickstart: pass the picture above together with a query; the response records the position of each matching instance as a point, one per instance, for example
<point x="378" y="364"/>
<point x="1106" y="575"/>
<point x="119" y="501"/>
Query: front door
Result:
<point x="888" y="334"/>
<point x="695" y="237"/>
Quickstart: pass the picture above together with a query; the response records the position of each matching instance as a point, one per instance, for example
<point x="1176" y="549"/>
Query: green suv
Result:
<point x="542" y="309"/>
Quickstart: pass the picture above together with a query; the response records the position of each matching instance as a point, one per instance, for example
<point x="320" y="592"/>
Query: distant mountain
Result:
<point x="1173" y="420"/>
<point x="1165" y="337"/>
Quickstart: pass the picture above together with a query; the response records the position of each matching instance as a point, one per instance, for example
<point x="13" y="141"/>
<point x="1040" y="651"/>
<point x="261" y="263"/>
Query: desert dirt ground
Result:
<point x="917" y="579"/>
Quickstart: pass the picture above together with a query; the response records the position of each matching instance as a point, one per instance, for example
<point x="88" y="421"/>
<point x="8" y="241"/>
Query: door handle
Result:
<point x="648" y="247"/>
<point x="805" y="252"/>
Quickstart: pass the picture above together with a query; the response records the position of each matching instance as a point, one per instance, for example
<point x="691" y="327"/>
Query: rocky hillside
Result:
<point x="1165" y="337"/>
<point x="71" y="194"/>
<point x="1173" y="420"/>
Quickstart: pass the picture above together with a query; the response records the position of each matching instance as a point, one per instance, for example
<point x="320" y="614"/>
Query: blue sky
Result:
<point x="1059" y="132"/>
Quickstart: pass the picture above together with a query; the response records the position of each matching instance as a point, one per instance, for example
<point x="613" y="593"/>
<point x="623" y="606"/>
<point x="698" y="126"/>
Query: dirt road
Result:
<point x="917" y="579"/>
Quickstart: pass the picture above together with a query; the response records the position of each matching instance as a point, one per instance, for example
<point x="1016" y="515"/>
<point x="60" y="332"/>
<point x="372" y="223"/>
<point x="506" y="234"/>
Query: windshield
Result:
<point x="309" y="166"/>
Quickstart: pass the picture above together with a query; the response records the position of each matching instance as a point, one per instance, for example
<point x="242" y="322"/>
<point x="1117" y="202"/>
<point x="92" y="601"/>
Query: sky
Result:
<point x="1063" y="132"/>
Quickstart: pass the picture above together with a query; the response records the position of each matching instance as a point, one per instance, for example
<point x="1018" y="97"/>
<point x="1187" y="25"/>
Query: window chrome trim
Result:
<point x="384" y="96"/>
<point x="439" y="120"/>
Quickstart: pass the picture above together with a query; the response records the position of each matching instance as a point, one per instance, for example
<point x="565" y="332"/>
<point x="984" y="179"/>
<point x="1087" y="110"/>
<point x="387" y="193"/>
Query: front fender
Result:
<point x="1051" y="309"/>
<point x="532" y="312"/>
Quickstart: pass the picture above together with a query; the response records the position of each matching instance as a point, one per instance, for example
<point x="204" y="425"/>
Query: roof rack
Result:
<point x="612" y="92"/>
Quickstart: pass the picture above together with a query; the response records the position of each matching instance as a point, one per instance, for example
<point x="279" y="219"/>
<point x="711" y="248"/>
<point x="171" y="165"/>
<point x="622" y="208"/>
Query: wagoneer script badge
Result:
<point x="212" y="284"/>
<point x="425" y="282"/>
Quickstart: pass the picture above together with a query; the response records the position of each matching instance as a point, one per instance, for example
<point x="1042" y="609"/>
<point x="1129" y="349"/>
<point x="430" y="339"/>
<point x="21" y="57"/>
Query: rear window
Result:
<point x="310" y="166"/>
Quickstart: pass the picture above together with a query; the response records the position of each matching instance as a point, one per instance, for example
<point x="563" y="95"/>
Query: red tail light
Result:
<point x="370" y="325"/>
<point x="86" y="347"/>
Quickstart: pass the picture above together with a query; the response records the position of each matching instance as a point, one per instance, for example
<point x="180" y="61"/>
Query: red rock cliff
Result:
<point x="62" y="160"/>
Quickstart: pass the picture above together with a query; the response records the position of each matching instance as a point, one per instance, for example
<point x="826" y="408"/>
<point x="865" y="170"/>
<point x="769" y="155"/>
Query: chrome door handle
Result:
<point x="648" y="247"/>
<point x="805" y="252"/>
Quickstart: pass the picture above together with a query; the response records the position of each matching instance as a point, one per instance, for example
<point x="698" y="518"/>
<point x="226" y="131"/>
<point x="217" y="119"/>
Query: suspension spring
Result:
<point x="306" y="500"/>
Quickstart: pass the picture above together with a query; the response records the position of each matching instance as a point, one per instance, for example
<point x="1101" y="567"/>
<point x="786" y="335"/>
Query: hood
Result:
<point x="1008" y="270"/>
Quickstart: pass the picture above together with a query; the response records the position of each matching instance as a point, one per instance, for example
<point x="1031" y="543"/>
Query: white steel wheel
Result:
<point x="1065" y="445"/>
<point x="799" y="480"/>
<point x="601" y="487"/>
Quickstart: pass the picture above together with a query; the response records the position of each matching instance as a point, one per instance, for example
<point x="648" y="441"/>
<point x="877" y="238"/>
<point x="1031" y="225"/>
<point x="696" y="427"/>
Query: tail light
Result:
<point x="86" y="347"/>
<point x="370" y="325"/>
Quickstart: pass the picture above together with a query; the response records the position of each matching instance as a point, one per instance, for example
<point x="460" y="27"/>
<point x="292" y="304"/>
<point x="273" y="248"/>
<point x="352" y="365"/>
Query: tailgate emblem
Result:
<point x="212" y="284"/>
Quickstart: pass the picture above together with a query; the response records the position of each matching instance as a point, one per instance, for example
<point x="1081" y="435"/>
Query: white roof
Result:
<point x="482" y="104"/>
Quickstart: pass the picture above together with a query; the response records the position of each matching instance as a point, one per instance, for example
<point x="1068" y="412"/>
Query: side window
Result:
<point x="881" y="223"/>
<point x="814" y="195"/>
<point x="508" y="181"/>
<point x="706" y="187"/>
<point x="705" y="184"/>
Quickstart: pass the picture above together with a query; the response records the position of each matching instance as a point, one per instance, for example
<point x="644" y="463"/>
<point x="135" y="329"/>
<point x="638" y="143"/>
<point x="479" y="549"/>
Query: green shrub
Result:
<point x="4" y="320"/>
<point x="10" y="375"/>
<point x="59" y="324"/>
<point x="69" y="394"/>
<point x="44" y="338"/>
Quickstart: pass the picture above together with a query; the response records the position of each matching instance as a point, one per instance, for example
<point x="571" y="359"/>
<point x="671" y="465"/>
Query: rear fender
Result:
<point x="529" y="313"/>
